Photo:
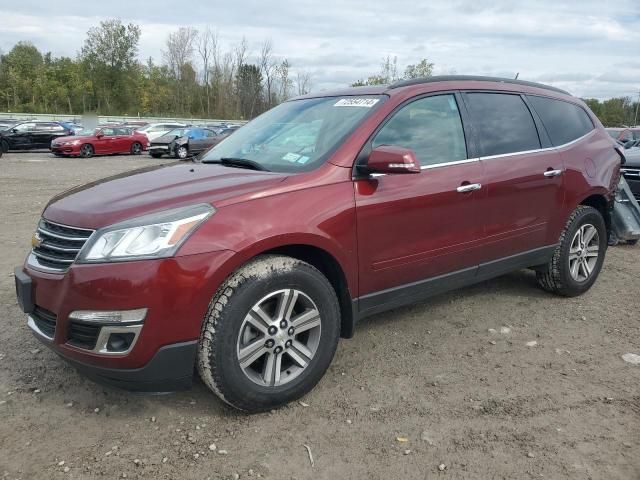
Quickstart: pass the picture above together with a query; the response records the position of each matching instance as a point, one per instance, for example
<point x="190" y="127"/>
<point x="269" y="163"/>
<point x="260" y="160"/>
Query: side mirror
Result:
<point x="14" y="130"/>
<point x="99" y="135"/>
<point x="392" y="159"/>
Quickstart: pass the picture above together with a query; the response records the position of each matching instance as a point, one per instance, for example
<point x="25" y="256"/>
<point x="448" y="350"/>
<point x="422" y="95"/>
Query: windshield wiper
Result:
<point x="238" y="162"/>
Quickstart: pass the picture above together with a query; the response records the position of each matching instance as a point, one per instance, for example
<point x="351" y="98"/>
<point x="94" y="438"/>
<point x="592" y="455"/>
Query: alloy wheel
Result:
<point x="182" y="152"/>
<point x="278" y="338"/>
<point x="86" y="151"/>
<point x="584" y="252"/>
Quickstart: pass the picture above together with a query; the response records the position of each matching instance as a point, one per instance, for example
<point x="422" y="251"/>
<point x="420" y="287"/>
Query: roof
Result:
<point x="382" y="89"/>
<point x="462" y="78"/>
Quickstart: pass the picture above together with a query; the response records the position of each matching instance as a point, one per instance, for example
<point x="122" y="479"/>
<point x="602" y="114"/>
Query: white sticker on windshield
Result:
<point x="356" y="102"/>
<point x="291" y="157"/>
<point x="303" y="159"/>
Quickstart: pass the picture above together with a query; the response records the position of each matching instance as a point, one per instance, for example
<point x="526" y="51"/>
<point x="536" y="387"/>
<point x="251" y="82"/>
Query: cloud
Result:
<point x="584" y="46"/>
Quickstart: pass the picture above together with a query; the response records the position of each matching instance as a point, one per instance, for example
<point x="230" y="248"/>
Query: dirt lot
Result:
<point x="417" y="388"/>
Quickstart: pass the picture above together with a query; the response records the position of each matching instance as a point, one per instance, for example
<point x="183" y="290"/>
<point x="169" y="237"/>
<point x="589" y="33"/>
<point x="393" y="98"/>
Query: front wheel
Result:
<point x="270" y="333"/>
<point x="182" y="152"/>
<point x="579" y="256"/>
<point x="4" y="146"/>
<point x="86" y="151"/>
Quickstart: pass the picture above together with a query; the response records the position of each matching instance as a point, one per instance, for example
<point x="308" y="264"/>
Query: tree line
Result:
<point x="195" y="78"/>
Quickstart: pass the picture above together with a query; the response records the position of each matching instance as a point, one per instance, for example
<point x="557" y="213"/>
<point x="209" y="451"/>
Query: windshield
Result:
<point x="295" y="136"/>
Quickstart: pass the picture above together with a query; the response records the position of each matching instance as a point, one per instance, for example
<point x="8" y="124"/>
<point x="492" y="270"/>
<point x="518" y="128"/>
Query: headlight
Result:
<point x="158" y="235"/>
<point x="74" y="142"/>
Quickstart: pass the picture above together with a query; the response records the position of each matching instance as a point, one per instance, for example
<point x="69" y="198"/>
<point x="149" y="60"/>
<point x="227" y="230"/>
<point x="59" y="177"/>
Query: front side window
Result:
<point x="503" y="123"/>
<point x="431" y="127"/>
<point x="563" y="121"/>
<point x="296" y="136"/>
<point x="25" y="127"/>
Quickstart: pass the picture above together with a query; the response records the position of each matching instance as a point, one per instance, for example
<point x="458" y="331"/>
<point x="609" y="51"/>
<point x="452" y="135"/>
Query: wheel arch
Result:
<point x="318" y="257"/>
<point x="600" y="202"/>
<point x="329" y="266"/>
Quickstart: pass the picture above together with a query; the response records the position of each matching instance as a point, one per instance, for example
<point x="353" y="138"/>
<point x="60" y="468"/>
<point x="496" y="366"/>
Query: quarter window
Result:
<point x="431" y="127"/>
<point x="563" y="121"/>
<point x="503" y="122"/>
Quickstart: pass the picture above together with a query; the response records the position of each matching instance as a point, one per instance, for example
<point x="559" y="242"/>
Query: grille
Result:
<point x="83" y="335"/>
<point x="59" y="245"/>
<point x="45" y="321"/>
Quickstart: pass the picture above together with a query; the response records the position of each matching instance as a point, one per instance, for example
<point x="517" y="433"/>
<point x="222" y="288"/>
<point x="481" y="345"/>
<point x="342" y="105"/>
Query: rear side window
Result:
<point x="431" y="127"/>
<point x="503" y="123"/>
<point x="563" y="121"/>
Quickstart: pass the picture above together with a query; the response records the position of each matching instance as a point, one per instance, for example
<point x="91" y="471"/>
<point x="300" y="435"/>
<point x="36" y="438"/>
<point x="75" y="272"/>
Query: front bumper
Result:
<point x="65" y="149"/>
<point x="176" y="292"/>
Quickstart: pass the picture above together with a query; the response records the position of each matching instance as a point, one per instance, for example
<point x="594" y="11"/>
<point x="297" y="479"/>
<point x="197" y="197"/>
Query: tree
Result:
<point x="109" y="57"/>
<point x="249" y="85"/>
<point x="389" y="72"/>
<point x="179" y="54"/>
<point x="424" y="68"/>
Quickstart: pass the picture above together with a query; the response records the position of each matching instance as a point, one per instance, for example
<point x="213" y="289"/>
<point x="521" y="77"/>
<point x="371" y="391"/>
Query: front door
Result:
<point x="413" y="227"/>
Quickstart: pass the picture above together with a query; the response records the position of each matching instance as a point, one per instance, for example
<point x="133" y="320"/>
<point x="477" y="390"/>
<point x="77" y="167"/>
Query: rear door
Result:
<point x="413" y="227"/>
<point x="523" y="175"/>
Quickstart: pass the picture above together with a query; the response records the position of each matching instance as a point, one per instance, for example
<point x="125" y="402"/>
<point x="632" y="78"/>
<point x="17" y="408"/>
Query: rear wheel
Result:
<point x="86" y="151"/>
<point x="270" y="333"/>
<point x="136" y="148"/>
<point x="579" y="256"/>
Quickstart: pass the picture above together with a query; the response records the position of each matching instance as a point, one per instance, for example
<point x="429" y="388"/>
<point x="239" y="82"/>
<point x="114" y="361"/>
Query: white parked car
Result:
<point x="155" y="130"/>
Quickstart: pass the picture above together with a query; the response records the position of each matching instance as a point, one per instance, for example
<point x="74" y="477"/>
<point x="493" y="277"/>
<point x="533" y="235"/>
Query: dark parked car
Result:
<point x="30" y="135"/>
<point x="631" y="170"/>
<point x="184" y="142"/>
<point x="322" y="211"/>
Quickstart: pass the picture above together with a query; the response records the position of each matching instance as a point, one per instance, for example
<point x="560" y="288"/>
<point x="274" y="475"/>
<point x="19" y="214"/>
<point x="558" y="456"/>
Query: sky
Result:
<point x="590" y="48"/>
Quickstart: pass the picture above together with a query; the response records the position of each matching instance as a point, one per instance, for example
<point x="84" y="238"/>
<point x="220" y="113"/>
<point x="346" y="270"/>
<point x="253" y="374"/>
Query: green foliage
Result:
<point x="389" y="72"/>
<point x="196" y="79"/>
<point x="615" y="112"/>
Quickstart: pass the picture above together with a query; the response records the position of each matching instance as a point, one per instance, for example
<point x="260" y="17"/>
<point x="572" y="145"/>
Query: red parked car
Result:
<point x="326" y="209"/>
<point x="101" y="141"/>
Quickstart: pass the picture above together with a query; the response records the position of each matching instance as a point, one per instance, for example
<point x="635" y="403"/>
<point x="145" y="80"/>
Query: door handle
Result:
<point x="470" y="187"/>
<point x="552" y="173"/>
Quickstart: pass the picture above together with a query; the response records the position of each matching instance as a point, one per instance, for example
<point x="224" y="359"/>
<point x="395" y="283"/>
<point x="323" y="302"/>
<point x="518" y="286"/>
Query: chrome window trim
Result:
<point x="446" y="164"/>
<point x="538" y="150"/>
<point x="492" y="157"/>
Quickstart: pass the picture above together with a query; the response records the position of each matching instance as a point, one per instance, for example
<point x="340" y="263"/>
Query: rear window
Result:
<point x="503" y="123"/>
<point x="563" y="121"/>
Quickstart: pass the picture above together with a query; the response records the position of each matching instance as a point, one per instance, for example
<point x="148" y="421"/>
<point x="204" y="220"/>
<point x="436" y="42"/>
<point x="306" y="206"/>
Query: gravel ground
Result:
<point x="448" y="388"/>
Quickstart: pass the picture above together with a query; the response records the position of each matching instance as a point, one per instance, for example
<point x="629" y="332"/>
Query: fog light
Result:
<point x="120" y="342"/>
<point x="106" y="317"/>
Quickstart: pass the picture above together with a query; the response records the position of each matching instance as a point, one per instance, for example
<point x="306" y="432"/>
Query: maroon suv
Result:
<point x="251" y="263"/>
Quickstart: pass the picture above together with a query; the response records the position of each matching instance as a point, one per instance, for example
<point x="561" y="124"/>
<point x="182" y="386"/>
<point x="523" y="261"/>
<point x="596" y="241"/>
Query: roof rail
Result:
<point x="449" y="78"/>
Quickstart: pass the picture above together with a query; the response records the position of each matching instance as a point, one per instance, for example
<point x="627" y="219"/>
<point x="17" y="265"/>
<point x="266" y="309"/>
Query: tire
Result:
<point x="155" y="154"/>
<point x="86" y="151"/>
<point x="632" y="242"/>
<point x="228" y="330"/>
<point x="182" y="152"/>
<point x="558" y="276"/>
<point x="136" y="148"/>
<point x="4" y="146"/>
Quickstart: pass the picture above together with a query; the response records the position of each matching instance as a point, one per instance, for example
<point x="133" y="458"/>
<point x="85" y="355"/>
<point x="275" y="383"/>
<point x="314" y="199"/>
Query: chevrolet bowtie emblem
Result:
<point x="36" y="240"/>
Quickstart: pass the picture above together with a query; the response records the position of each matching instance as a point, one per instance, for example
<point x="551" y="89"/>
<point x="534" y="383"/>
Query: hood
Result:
<point x="632" y="157"/>
<point x="132" y="194"/>
<point x="68" y="139"/>
<point x="164" y="139"/>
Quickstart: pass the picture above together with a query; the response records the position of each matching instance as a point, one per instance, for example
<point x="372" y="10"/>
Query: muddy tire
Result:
<point x="579" y="256"/>
<point x="270" y="333"/>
